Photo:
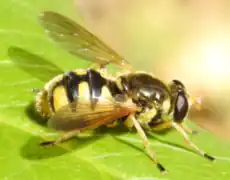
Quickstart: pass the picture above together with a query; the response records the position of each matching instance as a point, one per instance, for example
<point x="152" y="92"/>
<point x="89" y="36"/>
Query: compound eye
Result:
<point x="181" y="107"/>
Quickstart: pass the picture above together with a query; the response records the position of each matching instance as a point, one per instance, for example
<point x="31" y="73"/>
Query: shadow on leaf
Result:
<point x="171" y="144"/>
<point x="34" y="116"/>
<point x="150" y="136"/>
<point x="33" y="151"/>
<point x="33" y="64"/>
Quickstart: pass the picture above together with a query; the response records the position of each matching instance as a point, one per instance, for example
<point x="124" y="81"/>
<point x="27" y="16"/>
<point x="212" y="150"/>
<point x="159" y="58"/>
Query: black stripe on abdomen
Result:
<point x="95" y="82"/>
<point x="71" y="82"/>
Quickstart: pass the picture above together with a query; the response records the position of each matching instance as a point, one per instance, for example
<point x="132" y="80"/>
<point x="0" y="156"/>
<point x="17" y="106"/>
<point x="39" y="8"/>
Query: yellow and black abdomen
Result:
<point x="72" y="87"/>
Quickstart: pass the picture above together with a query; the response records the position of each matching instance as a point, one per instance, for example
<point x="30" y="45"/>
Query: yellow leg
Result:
<point x="146" y="143"/>
<point x="61" y="139"/>
<point x="190" y="143"/>
<point x="187" y="129"/>
<point x="129" y="123"/>
<point x="162" y="126"/>
<point x="112" y="125"/>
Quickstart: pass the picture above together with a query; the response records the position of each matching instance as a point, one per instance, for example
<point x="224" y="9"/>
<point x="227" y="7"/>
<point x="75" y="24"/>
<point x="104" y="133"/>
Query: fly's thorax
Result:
<point x="144" y="89"/>
<point x="148" y="93"/>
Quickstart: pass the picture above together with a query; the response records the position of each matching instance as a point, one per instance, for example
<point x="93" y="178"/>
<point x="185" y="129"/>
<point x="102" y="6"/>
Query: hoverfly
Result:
<point x="84" y="99"/>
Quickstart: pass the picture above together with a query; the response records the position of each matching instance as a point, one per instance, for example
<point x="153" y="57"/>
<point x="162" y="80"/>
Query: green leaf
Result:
<point x="113" y="154"/>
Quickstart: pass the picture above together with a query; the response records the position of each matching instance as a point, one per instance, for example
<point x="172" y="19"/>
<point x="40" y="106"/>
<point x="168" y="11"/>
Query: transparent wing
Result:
<point x="78" y="41"/>
<point x="80" y="115"/>
<point x="33" y="64"/>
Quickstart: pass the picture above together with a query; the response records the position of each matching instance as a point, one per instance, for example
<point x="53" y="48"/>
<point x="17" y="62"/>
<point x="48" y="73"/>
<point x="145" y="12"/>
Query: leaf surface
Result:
<point x="111" y="154"/>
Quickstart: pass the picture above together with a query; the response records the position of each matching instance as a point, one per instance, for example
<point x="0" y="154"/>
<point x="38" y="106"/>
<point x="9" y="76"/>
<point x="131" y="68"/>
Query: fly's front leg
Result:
<point x="146" y="143"/>
<point x="189" y="142"/>
<point x="61" y="139"/>
<point x="161" y="126"/>
<point x="188" y="130"/>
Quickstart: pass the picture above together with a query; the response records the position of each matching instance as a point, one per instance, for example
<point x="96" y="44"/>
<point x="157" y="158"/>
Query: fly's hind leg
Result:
<point x="146" y="143"/>
<point x="61" y="139"/>
<point x="180" y="129"/>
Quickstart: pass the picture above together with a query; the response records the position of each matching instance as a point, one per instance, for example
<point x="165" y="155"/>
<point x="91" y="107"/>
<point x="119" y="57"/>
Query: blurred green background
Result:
<point x="187" y="40"/>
